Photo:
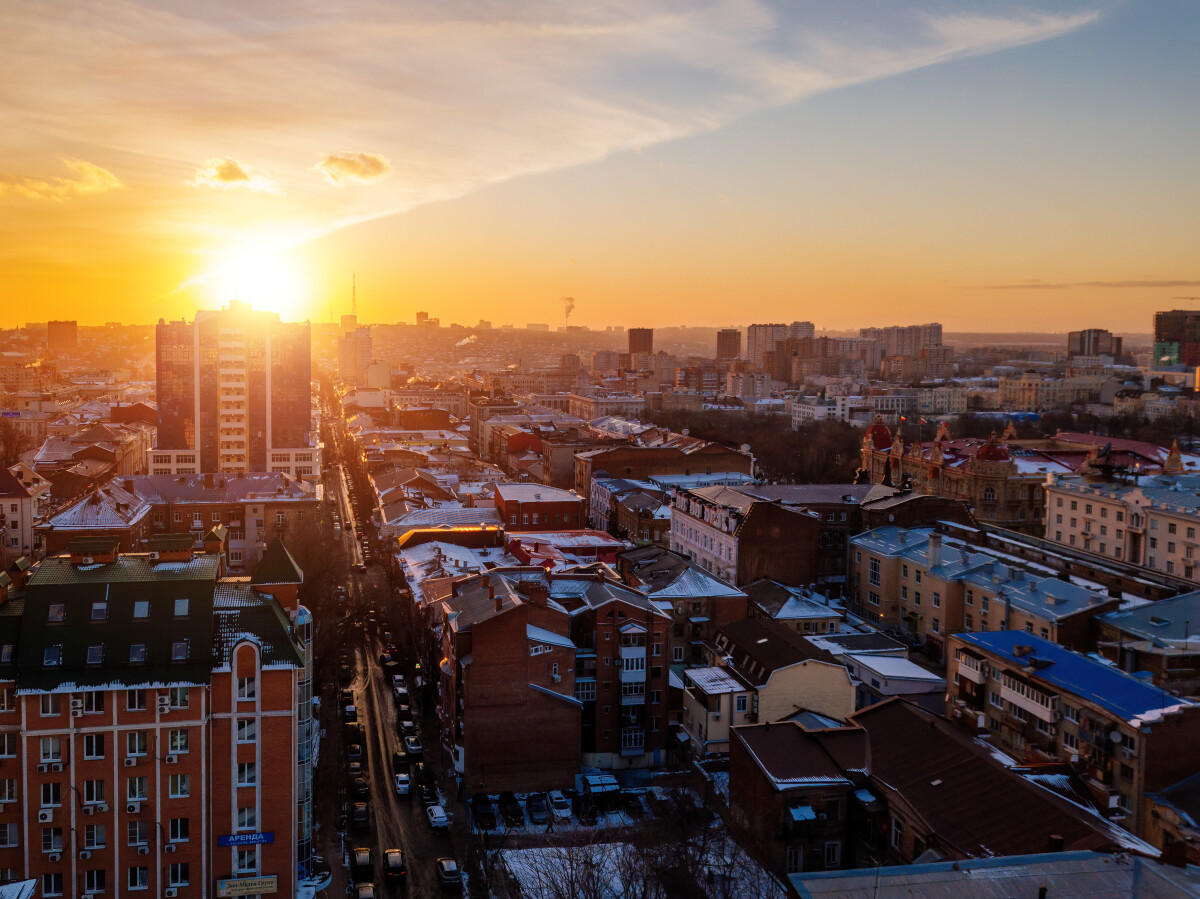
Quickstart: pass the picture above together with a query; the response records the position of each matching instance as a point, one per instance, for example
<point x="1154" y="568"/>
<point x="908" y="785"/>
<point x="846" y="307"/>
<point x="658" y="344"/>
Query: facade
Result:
<point x="234" y="395"/>
<point x="355" y="356"/>
<point x="1158" y="638"/>
<point x="1093" y="342"/>
<point x="689" y="457"/>
<point x="1177" y="338"/>
<point x="918" y="583"/>
<point x="904" y="340"/>
<point x="641" y="341"/>
<point x="23" y="496"/>
<point x="763" y="338"/>
<point x="1121" y="736"/>
<point x="62" y="336"/>
<point x="143" y="701"/>
<point x="588" y="407"/>
<point x="536" y="507"/>
<point x="729" y="344"/>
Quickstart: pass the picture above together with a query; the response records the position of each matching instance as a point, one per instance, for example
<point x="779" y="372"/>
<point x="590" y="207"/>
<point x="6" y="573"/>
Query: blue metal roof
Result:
<point x="1102" y="684"/>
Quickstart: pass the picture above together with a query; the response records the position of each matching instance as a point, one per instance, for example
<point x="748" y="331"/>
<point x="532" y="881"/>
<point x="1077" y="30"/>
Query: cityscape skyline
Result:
<point x="934" y="164"/>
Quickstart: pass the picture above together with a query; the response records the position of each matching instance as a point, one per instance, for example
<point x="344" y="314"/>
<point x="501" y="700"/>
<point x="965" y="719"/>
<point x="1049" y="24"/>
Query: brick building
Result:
<point x="142" y="701"/>
<point x="536" y="507"/>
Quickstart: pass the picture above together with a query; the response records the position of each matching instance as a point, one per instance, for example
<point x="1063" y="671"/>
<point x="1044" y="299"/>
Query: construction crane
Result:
<point x="1189" y="299"/>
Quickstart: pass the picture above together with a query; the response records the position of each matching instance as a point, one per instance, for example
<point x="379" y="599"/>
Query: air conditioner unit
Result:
<point x="133" y="808"/>
<point x="89" y="560"/>
<point x="172" y="760"/>
<point x="130" y="761"/>
<point x="557" y="678"/>
<point x="89" y="810"/>
<point x="77" y="703"/>
<point x="76" y="713"/>
<point x="56" y="766"/>
<point x="54" y="857"/>
<point x="164" y="703"/>
<point x="46" y="816"/>
<point x="101" y="807"/>
<point x="153" y="555"/>
<point x="143" y="850"/>
<point x="42" y="769"/>
<point x="170" y="847"/>
<point x="170" y="892"/>
<point x="85" y="853"/>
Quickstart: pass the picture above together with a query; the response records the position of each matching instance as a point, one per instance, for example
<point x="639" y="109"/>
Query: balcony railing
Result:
<point x="633" y="741"/>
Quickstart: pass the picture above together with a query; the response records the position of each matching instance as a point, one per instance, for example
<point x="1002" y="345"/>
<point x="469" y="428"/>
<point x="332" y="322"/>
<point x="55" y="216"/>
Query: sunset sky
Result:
<point x="999" y="166"/>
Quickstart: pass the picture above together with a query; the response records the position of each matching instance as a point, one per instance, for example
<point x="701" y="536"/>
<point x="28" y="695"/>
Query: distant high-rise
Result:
<point x="1177" y="337"/>
<point x="234" y="395"/>
<point x="355" y="355"/>
<point x="762" y="339"/>
<point x="641" y="341"/>
<point x="349" y="323"/>
<point x="729" y="344"/>
<point x="62" y="336"/>
<point x="1093" y="342"/>
<point x="904" y="340"/>
<point x="422" y="318"/>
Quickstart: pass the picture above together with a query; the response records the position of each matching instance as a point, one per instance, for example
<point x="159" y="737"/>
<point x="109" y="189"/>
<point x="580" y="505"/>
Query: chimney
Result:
<point x="934" y="554"/>
<point x="1056" y="843"/>
<point x="538" y="593"/>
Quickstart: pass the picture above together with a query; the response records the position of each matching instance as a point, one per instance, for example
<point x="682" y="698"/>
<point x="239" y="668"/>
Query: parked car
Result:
<point x="406" y="728"/>
<point x="428" y="793"/>
<point x="403" y="712"/>
<point x="437" y="817"/>
<point x="412" y="746"/>
<point x="536" y="808"/>
<point x="362" y="866"/>
<point x="483" y="812"/>
<point x="510" y="809"/>
<point x="399" y="762"/>
<point x="354" y="769"/>
<point x="403" y="785"/>
<point x="360" y="788"/>
<point x="354" y="753"/>
<point x="394" y="869"/>
<point x="365" y="890"/>
<point x="360" y="817"/>
<point x="448" y="874"/>
<point x="560" y="806"/>
<point x="350" y="714"/>
<point x="347" y="697"/>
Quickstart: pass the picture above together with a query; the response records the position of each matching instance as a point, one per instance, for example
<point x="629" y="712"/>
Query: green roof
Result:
<point x="93" y="545"/>
<point x="277" y="566"/>
<point x="169" y="542"/>
<point x="240" y="612"/>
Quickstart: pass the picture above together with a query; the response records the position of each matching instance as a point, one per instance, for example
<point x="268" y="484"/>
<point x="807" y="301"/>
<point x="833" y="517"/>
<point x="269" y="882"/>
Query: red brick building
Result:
<point x="536" y="507"/>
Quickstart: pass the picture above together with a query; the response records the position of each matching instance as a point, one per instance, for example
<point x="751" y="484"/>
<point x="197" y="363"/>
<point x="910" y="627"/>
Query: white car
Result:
<point x="560" y="805"/>
<point x="403" y="785"/>
<point x="438" y="819"/>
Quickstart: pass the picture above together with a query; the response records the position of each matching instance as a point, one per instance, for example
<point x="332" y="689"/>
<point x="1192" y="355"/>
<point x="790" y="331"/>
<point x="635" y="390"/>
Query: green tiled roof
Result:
<point x="241" y="613"/>
<point x="277" y="566"/>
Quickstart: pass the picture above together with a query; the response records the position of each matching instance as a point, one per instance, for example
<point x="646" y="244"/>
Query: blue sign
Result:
<point x="246" y="839"/>
<point x="10" y="414"/>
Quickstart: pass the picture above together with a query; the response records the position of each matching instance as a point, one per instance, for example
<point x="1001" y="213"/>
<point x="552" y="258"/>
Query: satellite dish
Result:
<point x="1115" y="736"/>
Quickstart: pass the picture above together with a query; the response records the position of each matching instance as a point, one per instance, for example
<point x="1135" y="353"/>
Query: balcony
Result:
<point x="633" y="741"/>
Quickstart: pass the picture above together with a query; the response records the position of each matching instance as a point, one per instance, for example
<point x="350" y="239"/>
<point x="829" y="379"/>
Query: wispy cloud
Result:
<point x="229" y="174"/>
<point x="1104" y="285"/>
<point x="88" y="179"/>
<point x="353" y="167"/>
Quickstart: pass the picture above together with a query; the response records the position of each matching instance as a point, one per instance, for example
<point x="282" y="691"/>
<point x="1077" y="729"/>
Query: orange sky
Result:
<point x="719" y="163"/>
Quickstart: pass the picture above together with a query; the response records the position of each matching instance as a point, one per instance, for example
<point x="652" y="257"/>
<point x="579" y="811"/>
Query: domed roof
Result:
<point x="880" y="435"/>
<point x="993" y="451"/>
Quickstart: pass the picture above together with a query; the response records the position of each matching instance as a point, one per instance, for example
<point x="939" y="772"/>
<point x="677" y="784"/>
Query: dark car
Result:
<point x="510" y="809"/>
<point x="362" y="867"/>
<point x="535" y="805"/>
<point x="483" y="812"/>
<point x="412" y="746"/>
<point x="399" y="762"/>
<point x="403" y="711"/>
<point x="354" y="753"/>
<point x="360" y="817"/>
<point x="448" y="874"/>
<point x="406" y="729"/>
<point x="428" y="793"/>
<point x="354" y="769"/>
<point x="360" y="788"/>
<point x="347" y="696"/>
<point x="394" y="870"/>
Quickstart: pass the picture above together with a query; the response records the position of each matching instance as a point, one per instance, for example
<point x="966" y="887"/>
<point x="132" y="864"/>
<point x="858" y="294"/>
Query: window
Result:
<point x="51" y="794"/>
<point x="179" y="651"/>
<point x="1071" y="713"/>
<point x="178" y="740"/>
<point x="180" y="786"/>
<point x="138" y="832"/>
<point x="1070" y="741"/>
<point x="50" y="705"/>
<point x="181" y="608"/>
<point x="897" y="834"/>
<point x="52" y="657"/>
<point x="51" y="748"/>
<point x="10" y="836"/>
<point x="833" y="854"/>
<point x="247" y="818"/>
<point x="179" y="830"/>
<point x="93" y="702"/>
<point x="247" y="860"/>
<point x="8" y="790"/>
<point x="52" y="884"/>
<point x="57" y="612"/>
<point x="137" y="653"/>
<point x="135" y="700"/>
<point x="52" y="839"/>
<point x="139" y="878"/>
<point x="94" y="836"/>
<point x="136" y="743"/>
<point x="740" y="703"/>
<point x="141" y="608"/>
<point x="178" y="873"/>
<point x="873" y="572"/>
<point x="676" y="653"/>
<point x="247" y="774"/>
<point x="100" y="611"/>
<point x="93" y="791"/>
<point x="93" y="746"/>
<point x="135" y="789"/>
<point x="795" y="859"/>
<point x="970" y="599"/>
<point x="178" y="697"/>
<point x="95" y="880"/>
<point x="247" y="730"/>
<point x="247" y="688"/>
<point x="95" y="655"/>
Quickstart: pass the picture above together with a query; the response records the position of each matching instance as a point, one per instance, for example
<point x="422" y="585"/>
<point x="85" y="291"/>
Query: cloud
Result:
<point x="353" y="167"/>
<point x="1104" y="285"/>
<point x="89" y="179"/>
<point x="229" y="174"/>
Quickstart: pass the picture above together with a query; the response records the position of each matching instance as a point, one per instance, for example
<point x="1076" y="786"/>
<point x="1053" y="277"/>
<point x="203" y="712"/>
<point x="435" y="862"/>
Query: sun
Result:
<point x="266" y="278"/>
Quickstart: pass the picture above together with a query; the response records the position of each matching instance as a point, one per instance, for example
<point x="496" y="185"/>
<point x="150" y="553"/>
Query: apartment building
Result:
<point x="156" y="726"/>
<point x="1122" y="736"/>
<point x="24" y="494"/>
<point x="1159" y="638"/>
<point x="919" y="583"/>
<point x="537" y="507"/>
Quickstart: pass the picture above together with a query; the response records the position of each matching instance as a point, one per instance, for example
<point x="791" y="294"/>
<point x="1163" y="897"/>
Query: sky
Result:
<point x="1015" y="166"/>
